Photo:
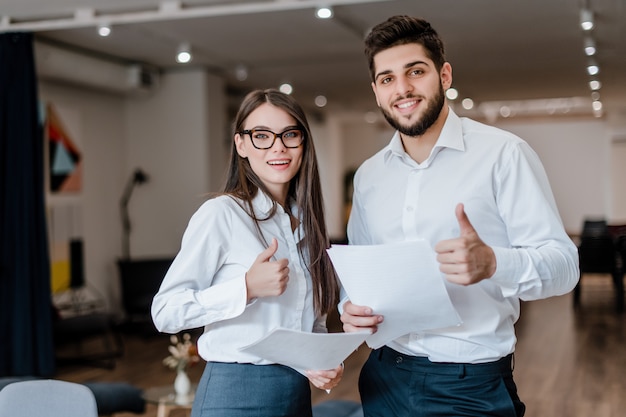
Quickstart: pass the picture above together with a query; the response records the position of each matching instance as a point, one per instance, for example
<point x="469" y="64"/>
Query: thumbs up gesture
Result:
<point x="466" y="259"/>
<point x="267" y="278"/>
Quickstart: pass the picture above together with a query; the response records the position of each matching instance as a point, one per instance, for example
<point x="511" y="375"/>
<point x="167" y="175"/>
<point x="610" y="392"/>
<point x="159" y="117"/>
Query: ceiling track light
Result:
<point x="596" y="105"/>
<point x="286" y="88"/>
<point x="241" y="72"/>
<point x="590" y="46"/>
<point x="593" y="68"/>
<point x="586" y="19"/>
<point x="324" y="12"/>
<point x="595" y="85"/>
<point x="104" y="29"/>
<point x="183" y="53"/>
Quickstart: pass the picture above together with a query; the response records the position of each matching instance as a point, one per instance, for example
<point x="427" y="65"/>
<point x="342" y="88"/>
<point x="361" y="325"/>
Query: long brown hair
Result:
<point x="305" y="189"/>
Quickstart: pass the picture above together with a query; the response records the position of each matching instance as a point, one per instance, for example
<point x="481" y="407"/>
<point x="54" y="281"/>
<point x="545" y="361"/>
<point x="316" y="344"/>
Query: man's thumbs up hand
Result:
<point x="466" y="259"/>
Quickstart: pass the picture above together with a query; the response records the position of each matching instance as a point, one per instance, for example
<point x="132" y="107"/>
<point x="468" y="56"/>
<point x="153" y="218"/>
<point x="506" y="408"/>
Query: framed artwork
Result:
<point x="64" y="157"/>
<point x="64" y="163"/>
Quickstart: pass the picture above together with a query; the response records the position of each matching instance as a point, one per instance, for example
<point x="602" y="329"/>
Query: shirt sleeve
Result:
<point x="542" y="261"/>
<point x="188" y="297"/>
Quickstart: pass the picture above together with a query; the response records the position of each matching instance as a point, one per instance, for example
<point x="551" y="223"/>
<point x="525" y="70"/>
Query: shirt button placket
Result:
<point x="411" y="201"/>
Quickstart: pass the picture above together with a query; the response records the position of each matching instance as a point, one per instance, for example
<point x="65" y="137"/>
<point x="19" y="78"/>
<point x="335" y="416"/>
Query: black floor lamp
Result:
<point x="138" y="177"/>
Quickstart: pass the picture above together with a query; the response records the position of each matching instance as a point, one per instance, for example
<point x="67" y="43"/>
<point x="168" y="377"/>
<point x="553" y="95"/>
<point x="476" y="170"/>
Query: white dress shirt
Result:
<point x="205" y="285"/>
<point x="508" y="200"/>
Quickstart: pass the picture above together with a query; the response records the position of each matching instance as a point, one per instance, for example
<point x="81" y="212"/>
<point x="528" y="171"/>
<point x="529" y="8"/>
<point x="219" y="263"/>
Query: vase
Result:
<point x="182" y="386"/>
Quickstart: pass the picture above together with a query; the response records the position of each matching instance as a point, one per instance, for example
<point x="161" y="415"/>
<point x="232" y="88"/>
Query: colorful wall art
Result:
<point x="65" y="160"/>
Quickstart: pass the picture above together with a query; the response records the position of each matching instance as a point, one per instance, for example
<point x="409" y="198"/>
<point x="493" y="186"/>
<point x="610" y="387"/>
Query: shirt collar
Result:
<point x="451" y="136"/>
<point x="262" y="203"/>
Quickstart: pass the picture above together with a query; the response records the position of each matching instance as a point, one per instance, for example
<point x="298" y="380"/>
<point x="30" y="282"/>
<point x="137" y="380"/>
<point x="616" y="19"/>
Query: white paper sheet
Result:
<point x="400" y="281"/>
<point x="304" y="350"/>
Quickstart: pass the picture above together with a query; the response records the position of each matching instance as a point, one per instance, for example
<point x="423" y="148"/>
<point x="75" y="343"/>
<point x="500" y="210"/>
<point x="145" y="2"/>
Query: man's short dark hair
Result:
<point x="401" y="30"/>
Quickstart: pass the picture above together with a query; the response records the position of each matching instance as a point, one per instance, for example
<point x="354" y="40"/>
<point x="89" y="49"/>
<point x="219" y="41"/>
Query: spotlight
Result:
<point x="596" y="105"/>
<point x="590" y="46"/>
<point x="595" y="85"/>
<point x="371" y="117"/>
<point x="324" y="13"/>
<point x="183" y="53"/>
<point x="286" y="88"/>
<point x="505" y="111"/>
<point x="467" y="103"/>
<point x="593" y="68"/>
<point x="452" y="93"/>
<point x="321" y="101"/>
<point x="241" y="72"/>
<point x="104" y="30"/>
<point x="586" y="19"/>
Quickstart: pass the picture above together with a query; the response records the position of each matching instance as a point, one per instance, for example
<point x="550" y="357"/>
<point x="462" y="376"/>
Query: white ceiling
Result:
<point x="499" y="49"/>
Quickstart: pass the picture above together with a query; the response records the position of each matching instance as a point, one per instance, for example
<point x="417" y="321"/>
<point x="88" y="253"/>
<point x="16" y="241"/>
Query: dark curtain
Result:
<point x="26" y="345"/>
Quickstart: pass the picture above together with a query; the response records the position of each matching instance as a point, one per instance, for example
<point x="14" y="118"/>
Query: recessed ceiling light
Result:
<point x="321" y="101"/>
<point x="452" y="93"/>
<point x="596" y="105"/>
<point x="286" y="88"/>
<point x="595" y="84"/>
<point x="593" y="68"/>
<point x="324" y="13"/>
<point x="241" y="72"/>
<point x="183" y="53"/>
<point x="104" y="30"/>
<point x="467" y="103"/>
<point x="371" y="117"/>
<point x="586" y="19"/>
<point x="590" y="46"/>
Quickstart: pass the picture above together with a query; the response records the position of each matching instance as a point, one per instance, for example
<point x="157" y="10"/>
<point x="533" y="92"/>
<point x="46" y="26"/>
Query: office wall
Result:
<point x="96" y="122"/>
<point x="177" y="136"/>
<point x="618" y="183"/>
<point x="576" y="156"/>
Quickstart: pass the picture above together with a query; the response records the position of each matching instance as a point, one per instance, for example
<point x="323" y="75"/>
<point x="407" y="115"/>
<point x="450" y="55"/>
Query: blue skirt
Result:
<point x="246" y="390"/>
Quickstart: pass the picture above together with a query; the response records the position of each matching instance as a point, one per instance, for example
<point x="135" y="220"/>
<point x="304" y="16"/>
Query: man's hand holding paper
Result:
<point x="400" y="282"/>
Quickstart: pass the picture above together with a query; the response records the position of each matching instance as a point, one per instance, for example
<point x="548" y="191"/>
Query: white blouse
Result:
<point x="205" y="285"/>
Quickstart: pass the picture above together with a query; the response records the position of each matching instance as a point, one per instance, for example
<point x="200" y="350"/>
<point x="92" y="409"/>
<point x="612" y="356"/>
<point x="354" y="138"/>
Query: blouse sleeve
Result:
<point x="188" y="297"/>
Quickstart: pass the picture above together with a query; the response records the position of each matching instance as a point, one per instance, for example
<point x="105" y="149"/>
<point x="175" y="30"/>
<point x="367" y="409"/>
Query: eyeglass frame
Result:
<point x="249" y="132"/>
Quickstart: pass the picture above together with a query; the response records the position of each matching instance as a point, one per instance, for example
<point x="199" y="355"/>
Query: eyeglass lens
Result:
<point x="264" y="139"/>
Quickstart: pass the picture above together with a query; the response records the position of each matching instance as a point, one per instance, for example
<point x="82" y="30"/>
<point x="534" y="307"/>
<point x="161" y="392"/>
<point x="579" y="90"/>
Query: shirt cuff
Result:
<point x="226" y="300"/>
<point x="508" y="269"/>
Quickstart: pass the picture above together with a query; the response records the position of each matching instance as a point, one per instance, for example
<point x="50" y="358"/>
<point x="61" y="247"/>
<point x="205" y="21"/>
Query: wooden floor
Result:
<point x="569" y="362"/>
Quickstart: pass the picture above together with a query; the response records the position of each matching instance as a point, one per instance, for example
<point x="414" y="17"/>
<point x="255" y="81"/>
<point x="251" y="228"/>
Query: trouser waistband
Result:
<point x="421" y="364"/>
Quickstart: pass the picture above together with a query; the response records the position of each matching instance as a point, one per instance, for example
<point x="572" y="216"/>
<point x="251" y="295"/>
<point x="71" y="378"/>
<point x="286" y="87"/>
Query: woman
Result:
<point x="251" y="260"/>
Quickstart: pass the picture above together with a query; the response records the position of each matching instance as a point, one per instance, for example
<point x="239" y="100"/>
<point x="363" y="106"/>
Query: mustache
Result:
<point x="409" y="96"/>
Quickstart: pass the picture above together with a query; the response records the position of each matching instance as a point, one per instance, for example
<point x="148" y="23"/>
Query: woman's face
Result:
<point x="277" y="165"/>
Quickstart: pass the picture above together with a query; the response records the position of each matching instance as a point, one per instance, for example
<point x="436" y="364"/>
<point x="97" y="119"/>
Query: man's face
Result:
<point x="409" y="90"/>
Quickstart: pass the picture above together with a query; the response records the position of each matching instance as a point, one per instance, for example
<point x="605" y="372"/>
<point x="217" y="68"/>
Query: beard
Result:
<point x="431" y="113"/>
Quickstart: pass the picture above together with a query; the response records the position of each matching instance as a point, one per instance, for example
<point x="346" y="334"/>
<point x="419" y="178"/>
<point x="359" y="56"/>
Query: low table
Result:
<point x="166" y="400"/>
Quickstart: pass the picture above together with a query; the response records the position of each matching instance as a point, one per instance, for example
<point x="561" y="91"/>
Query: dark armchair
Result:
<point x="598" y="254"/>
<point x="140" y="280"/>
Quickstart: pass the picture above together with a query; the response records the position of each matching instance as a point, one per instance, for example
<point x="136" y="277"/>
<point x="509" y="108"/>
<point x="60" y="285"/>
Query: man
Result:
<point x="480" y="196"/>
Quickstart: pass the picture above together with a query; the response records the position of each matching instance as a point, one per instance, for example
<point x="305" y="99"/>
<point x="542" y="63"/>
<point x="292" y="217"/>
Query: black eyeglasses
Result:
<point x="264" y="139"/>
